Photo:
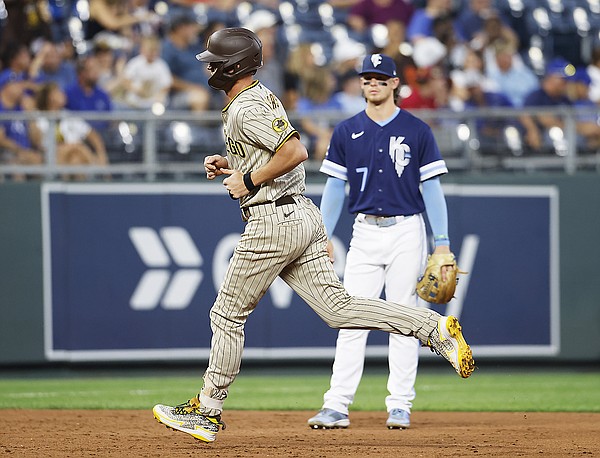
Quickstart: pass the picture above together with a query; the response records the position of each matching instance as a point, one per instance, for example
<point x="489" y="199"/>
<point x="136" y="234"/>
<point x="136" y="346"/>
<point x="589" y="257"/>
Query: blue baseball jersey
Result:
<point x="97" y="100"/>
<point x="15" y="129"/>
<point x="384" y="165"/>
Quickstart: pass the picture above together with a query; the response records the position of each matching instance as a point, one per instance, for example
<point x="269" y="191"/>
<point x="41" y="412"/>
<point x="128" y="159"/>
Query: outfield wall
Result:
<point x="107" y="272"/>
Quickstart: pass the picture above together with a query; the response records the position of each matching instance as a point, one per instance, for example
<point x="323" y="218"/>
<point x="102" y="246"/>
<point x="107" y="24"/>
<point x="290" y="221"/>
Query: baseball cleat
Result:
<point x="448" y="341"/>
<point x="329" y="419"/>
<point x="187" y="418"/>
<point x="398" y="419"/>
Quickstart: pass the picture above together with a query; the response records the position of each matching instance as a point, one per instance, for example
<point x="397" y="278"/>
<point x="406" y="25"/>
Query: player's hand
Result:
<point x="443" y="249"/>
<point x="235" y="183"/>
<point x="213" y="165"/>
<point x="329" y="249"/>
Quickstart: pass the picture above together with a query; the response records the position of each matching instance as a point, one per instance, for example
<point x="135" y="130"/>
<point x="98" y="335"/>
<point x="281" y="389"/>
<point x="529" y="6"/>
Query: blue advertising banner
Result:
<point x="131" y="271"/>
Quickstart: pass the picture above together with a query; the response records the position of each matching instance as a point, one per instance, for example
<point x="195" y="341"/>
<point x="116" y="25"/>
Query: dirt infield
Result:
<point x="127" y="433"/>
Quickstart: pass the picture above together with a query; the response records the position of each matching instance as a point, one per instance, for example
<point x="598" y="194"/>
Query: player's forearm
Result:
<point x="291" y="154"/>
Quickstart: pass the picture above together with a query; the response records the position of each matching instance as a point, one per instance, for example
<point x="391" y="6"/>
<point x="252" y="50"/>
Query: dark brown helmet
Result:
<point x="231" y="53"/>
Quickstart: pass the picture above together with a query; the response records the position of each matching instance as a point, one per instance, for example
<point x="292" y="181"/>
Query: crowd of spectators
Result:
<point x="118" y="55"/>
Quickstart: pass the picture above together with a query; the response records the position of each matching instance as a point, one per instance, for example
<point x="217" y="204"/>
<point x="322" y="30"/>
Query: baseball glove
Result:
<point x="431" y="287"/>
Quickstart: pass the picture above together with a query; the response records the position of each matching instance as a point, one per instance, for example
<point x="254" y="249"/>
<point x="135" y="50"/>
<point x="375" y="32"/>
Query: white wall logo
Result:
<point x="159" y="251"/>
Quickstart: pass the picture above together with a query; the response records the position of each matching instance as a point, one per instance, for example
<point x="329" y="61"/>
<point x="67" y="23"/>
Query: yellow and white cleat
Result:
<point x="448" y="341"/>
<point x="187" y="418"/>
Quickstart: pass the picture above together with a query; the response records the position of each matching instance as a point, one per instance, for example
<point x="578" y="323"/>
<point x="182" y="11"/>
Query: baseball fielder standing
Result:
<point x="384" y="154"/>
<point x="284" y="236"/>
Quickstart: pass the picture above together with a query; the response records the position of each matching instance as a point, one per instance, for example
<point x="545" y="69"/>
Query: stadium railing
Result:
<point x="148" y="147"/>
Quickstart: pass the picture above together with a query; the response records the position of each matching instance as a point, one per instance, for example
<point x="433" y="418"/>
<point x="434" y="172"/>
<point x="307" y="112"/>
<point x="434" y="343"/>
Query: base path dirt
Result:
<point x="127" y="433"/>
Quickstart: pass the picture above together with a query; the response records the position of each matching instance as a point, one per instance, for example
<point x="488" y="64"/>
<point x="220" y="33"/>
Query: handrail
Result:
<point x="151" y="136"/>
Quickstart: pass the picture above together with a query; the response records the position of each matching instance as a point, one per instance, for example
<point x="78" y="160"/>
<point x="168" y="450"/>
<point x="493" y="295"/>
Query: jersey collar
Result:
<point x="254" y="83"/>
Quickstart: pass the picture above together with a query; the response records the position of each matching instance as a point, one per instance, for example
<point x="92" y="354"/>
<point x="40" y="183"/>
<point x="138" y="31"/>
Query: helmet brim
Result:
<point x="207" y="56"/>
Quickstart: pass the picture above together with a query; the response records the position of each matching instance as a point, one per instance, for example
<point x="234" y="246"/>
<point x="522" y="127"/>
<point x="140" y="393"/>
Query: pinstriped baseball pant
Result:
<point x="289" y="241"/>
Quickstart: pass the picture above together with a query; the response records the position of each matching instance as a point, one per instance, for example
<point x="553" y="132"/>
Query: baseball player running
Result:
<point x="384" y="154"/>
<point x="284" y="236"/>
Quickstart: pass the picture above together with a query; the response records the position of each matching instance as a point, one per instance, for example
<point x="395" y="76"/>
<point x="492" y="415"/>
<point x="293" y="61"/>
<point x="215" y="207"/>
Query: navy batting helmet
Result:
<point x="231" y="53"/>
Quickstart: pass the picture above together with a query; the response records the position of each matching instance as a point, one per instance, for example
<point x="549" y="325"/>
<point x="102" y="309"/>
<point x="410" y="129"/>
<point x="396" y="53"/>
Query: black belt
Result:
<point x="285" y="200"/>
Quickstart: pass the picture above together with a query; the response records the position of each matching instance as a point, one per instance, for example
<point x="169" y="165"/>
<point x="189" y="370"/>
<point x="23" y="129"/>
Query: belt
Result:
<point x="263" y="207"/>
<point x="381" y="221"/>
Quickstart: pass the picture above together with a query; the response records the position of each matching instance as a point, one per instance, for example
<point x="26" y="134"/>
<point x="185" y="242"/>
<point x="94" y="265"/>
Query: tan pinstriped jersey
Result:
<point x="256" y="126"/>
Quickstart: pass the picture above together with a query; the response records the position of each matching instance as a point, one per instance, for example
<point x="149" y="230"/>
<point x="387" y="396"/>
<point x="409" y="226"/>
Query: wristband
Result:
<point x="441" y="240"/>
<point x="250" y="186"/>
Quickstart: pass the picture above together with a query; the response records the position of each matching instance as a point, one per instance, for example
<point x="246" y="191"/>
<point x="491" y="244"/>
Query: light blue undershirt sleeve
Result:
<point x="437" y="211"/>
<point x="332" y="203"/>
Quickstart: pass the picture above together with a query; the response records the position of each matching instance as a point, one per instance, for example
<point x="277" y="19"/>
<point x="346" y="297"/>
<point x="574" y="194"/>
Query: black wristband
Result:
<point x="250" y="186"/>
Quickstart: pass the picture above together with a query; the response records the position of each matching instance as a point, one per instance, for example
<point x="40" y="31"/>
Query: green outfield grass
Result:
<point x="551" y="391"/>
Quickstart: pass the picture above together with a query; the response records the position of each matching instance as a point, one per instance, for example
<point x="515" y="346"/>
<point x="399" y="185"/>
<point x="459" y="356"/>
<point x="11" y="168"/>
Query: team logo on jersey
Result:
<point x="279" y="125"/>
<point x="399" y="154"/>
<point x="273" y="101"/>
<point x="235" y="147"/>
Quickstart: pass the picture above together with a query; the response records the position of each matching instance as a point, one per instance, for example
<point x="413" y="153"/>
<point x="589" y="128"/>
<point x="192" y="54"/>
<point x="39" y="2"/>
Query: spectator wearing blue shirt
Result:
<point x="61" y="11"/>
<point x="16" y="61"/>
<point x="179" y="49"/>
<point x="490" y="130"/>
<point x="318" y="87"/>
<point x="350" y="96"/>
<point x="588" y="128"/>
<point x="421" y="22"/>
<point x="86" y="95"/>
<point x="493" y="32"/>
<point x="471" y="20"/>
<point x="15" y="141"/>
<point x="510" y="75"/>
<point x="593" y="71"/>
<point x="552" y="93"/>
<point x="49" y="65"/>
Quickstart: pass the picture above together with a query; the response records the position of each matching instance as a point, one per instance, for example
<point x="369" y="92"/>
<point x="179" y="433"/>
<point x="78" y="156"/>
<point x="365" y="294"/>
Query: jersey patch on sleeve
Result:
<point x="280" y="125"/>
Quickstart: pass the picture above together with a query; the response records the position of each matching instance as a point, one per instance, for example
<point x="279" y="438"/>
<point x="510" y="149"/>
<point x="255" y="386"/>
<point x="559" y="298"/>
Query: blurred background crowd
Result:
<point x="116" y="57"/>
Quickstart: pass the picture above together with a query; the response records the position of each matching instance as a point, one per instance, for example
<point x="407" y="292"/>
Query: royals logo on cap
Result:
<point x="376" y="59"/>
<point x="379" y="63"/>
